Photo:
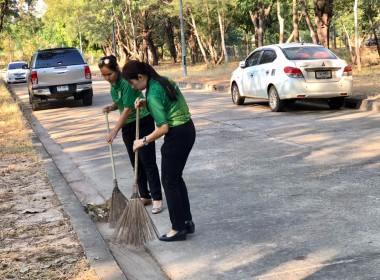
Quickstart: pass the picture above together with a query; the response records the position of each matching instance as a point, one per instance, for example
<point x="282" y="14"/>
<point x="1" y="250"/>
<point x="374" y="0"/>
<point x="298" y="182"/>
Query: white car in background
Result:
<point x="287" y="72"/>
<point x="16" y="72"/>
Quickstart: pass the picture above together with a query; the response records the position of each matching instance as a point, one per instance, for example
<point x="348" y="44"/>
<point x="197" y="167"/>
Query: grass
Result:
<point x="14" y="137"/>
<point x="198" y="73"/>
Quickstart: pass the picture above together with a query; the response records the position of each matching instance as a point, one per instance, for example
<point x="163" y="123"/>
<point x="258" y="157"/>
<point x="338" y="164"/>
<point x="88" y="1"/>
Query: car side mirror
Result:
<point x="25" y="66"/>
<point x="242" y="64"/>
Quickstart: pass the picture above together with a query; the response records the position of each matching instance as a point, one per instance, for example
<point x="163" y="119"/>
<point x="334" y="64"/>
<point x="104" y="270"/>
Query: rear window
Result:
<point x="56" y="58"/>
<point x="308" y="53"/>
<point x="16" y="66"/>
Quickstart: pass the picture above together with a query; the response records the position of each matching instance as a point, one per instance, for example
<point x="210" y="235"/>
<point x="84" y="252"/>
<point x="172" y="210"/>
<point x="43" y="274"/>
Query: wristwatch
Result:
<point x="144" y="141"/>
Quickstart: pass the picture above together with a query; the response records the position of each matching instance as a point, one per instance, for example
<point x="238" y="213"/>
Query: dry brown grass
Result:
<point x="42" y="245"/>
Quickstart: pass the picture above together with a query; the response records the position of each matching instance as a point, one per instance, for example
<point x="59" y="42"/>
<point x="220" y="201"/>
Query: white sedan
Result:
<point x="16" y="72"/>
<point x="288" y="72"/>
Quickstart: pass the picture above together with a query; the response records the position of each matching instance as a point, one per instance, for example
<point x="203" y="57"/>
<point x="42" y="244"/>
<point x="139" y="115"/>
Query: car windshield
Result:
<point x="308" y="53"/>
<point x="16" y="65"/>
<point x="56" y="58"/>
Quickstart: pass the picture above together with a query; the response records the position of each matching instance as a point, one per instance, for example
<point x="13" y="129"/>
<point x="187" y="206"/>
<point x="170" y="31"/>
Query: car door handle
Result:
<point x="251" y="75"/>
<point x="267" y="72"/>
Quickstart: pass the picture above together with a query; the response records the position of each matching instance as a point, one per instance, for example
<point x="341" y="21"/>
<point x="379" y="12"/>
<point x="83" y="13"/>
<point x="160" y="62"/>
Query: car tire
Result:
<point x="236" y="98"/>
<point x="35" y="103"/>
<point x="275" y="103"/>
<point x="87" y="97"/>
<point x="335" y="103"/>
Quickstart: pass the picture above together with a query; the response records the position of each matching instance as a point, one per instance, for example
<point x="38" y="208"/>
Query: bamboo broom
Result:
<point x="135" y="226"/>
<point x="118" y="200"/>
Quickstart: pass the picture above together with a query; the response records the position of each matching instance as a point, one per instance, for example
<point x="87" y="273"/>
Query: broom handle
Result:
<point x="110" y="145"/>
<point x="137" y="138"/>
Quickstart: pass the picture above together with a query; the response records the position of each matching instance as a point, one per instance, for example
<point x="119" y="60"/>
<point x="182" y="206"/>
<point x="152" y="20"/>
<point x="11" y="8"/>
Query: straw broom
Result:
<point x="118" y="200"/>
<point x="135" y="226"/>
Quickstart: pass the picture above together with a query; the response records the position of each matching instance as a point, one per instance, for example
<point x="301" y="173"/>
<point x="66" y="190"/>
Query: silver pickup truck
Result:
<point x="58" y="74"/>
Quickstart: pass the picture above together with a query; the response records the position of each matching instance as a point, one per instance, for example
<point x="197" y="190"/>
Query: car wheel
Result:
<point x="236" y="98"/>
<point x="35" y="104"/>
<point x="335" y="103"/>
<point x="87" y="97"/>
<point x="275" y="103"/>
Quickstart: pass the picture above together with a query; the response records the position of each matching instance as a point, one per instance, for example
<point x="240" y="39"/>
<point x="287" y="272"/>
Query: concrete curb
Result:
<point x="96" y="249"/>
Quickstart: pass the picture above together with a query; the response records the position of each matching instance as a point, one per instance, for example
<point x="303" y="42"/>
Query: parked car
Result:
<point x="370" y="42"/>
<point x="58" y="74"/>
<point x="16" y="72"/>
<point x="286" y="72"/>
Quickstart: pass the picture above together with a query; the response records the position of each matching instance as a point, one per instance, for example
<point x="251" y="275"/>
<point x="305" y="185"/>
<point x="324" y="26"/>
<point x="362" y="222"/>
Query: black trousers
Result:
<point x="178" y="143"/>
<point x="147" y="166"/>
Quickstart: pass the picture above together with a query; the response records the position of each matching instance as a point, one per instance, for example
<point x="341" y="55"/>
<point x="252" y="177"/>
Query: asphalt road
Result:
<point x="292" y="195"/>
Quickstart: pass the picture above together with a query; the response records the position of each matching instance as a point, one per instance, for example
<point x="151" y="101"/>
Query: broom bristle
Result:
<point x="135" y="227"/>
<point x="117" y="206"/>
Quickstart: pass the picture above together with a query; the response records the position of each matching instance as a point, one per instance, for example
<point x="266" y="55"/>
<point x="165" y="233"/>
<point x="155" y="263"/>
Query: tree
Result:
<point x="308" y="21"/>
<point x="295" y="22"/>
<point x="323" y="11"/>
<point x="357" y="45"/>
<point x="281" y="22"/>
<point x="3" y="9"/>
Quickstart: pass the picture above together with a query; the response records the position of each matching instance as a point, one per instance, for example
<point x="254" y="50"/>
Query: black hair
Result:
<point x="110" y="62"/>
<point x="133" y="68"/>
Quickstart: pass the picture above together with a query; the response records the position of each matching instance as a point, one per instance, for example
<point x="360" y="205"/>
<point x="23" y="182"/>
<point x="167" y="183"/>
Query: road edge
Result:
<point x="94" y="245"/>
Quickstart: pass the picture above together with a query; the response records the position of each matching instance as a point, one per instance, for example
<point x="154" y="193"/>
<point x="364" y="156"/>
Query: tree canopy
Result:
<point x="149" y="30"/>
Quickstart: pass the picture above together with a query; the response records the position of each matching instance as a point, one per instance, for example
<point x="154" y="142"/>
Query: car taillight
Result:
<point x="293" y="72"/>
<point x="87" y="72"/>
<point x="347" y="71"/>
<point x="33" y="78"/>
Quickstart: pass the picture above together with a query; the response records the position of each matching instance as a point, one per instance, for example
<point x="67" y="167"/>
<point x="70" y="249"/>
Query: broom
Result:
<point x="118" y="200"/>
<point x="135" y="226"/>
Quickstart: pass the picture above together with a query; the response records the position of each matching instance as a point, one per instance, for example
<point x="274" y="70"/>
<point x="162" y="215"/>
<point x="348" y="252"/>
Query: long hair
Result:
<point x="133" y="68"/>
<point x="110" y="62"/>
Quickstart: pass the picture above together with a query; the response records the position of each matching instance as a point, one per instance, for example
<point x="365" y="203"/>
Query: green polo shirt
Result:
<point x="124" y="96"/>
<point x="164" y="110"/>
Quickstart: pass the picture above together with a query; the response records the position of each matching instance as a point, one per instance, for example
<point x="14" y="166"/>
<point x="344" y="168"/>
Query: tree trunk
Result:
<point x="281" y="22"/>
<point x="193" y="47"/>
<point x="170" y="38"/>
<point x="371" y="24"/>
<point x="247" y="42"/>
<point x="135" y="50"/>
<point x="3" y="9"/>
<point x="222" y="35"/>
<point x="348" y="40"/>
<point x="255" y="22"/>
<point x="308" y="21"/>
<point x="198" y="38"/>
<point x="148" y="42"/>
<point x="263" y="14"/>
<point x="295" y="22"/>
<point x="210" y="41"/>
<point x="323" y="10"/>
<point x="357" y="46"/>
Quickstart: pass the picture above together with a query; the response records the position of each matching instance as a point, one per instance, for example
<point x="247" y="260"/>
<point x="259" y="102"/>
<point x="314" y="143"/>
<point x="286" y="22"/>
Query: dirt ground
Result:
<point x="36" y="237"/>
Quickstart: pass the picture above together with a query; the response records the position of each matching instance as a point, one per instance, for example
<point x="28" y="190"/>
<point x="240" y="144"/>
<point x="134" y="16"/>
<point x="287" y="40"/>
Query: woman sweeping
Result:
<point x="171" y="114"/>
<point x="123" y="97"/>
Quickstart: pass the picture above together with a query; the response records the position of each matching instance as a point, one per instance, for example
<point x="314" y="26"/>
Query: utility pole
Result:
<point x="183" y="41"/>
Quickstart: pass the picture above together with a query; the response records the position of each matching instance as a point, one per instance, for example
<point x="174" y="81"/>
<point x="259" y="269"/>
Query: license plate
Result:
<point x="62" y="88"/>
<point x="323" y="74"/>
